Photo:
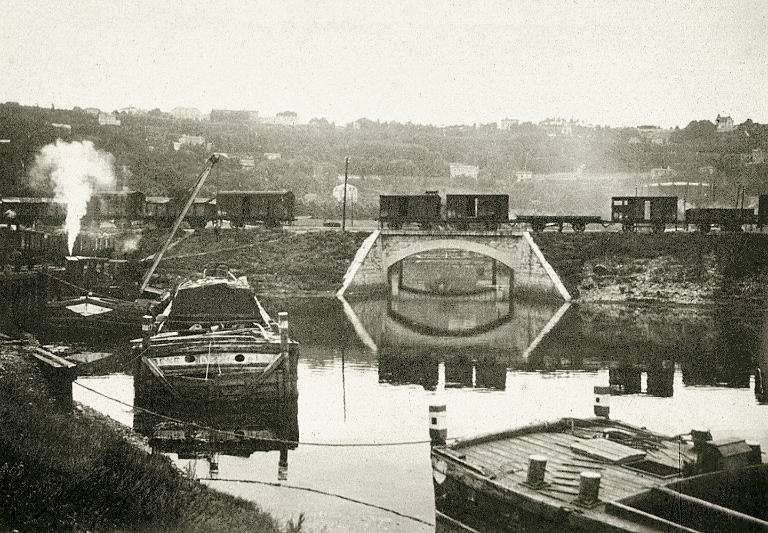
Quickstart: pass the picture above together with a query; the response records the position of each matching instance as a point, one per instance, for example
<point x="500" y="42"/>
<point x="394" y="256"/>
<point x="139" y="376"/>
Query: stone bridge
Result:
<point x="375" y="266"/>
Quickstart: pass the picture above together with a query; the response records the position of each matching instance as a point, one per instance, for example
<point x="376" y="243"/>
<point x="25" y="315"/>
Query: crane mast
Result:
<point x="190" y="199"/>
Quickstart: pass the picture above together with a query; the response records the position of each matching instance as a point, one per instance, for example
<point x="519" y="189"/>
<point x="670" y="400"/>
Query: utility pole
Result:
<point x="344" y="204"/>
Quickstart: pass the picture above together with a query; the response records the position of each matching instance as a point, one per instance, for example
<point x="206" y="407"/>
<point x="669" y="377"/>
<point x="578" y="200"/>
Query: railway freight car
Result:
<point x="28" y="247"/>
<point x="637" y="211"/>
<point x="398" y="210"/>
<point x="161" y="211"/>
<point x="727" y="219"/>
<point x="30" y="211"/>
<point x="250" y="207"/>
<point x="120" y="207"/>
<point x="485" y="210"/>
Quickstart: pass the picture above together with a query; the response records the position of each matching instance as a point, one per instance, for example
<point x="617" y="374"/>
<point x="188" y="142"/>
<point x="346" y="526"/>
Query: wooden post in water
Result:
<point x="438" y="427"/>
<point x="282" y="326"/>
<point x="602" y="401"/>
<point x="282" y="465"/>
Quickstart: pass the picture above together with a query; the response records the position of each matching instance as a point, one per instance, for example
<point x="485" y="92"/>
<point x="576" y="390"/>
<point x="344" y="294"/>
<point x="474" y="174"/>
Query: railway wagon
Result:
<point x="728" y="219"/>
<point x="421" y="209"/>
<point x="120" y="207"/>
<point x="28" y="211"/>
<point x="241" y="207"/>
<point x="762" y="211"/>
<point x="636" y="211"/>
<point x="488" y="210"/>
<point x="163" y="210"/>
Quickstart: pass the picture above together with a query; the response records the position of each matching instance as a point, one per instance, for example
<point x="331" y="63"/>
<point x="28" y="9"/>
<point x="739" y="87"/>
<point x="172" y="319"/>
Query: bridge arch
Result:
<point x="447" y="244"/>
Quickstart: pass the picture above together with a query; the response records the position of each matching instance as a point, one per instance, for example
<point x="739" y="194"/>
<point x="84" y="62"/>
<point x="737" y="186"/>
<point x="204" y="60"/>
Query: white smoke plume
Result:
<point x="74" y="170"/>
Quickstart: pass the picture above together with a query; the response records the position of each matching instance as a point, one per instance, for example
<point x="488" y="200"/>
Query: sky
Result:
<point x="619" y="63"/>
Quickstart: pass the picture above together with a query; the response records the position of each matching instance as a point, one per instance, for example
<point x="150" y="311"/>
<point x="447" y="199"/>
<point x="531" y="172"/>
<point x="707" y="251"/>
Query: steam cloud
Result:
<point x="74" y="170"/>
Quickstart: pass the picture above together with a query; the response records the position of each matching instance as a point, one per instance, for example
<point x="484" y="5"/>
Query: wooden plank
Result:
<point x="608" y="450"/>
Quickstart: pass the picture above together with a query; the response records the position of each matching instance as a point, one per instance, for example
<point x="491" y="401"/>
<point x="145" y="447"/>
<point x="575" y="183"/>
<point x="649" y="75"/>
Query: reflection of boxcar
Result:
<point x="30" y="210"/>
<point x="33" y="246"/>
<point x="487" y="209"/>
<point x="422" y="209"/>
<point x="241" y="207"/>
<point x="729" y="219"/>
<point x="162" y="211"/>
<point x="122" y="207"/>
<point x="634" y="211"/>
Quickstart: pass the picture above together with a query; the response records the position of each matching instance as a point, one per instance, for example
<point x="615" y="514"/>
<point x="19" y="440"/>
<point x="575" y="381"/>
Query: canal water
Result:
<point x="369" y="370"/>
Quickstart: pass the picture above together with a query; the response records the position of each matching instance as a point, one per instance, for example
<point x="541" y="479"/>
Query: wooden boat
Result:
<point x="216" y="342"/>
<point x="599" y="475"/>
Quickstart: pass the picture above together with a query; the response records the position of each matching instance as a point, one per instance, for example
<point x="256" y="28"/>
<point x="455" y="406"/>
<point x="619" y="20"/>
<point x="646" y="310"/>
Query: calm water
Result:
<point x="369" y="370"/>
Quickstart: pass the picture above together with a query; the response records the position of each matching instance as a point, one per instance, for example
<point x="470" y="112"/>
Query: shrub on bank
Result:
<point x="60" y="471"/>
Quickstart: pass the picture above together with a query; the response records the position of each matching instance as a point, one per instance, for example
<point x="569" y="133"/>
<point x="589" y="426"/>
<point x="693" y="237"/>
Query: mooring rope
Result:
<point x="324" y="493"/>
<point x="277" y="441"/>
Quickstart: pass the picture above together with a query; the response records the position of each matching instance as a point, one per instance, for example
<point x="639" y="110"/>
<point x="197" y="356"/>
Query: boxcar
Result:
<point x="32" y="246"/>
<point x="162" y="211"/>
<point x="728" y="219"/>
<point x="241" y="207"/>
<point x="488" y="210"/>
<point x="421" y="209"/>
<point x="28" y="211"/>
<point x="120" y="207"/>
<point x="635" y="211"/>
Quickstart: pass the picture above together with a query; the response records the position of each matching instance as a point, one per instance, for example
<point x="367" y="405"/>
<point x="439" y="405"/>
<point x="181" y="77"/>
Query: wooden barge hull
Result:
<point x="215" y="382"/>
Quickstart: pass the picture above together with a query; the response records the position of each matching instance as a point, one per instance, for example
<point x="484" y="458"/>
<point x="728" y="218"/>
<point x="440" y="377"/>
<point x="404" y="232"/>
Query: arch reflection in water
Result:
<point x="206" y="430"/>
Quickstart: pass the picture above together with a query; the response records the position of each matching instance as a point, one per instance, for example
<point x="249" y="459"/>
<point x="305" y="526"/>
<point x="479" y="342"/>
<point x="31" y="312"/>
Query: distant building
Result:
<point x="186" y="113"/>
<point x="523" y="175"/>
<point x="724" y="124"/>
<point x="654" y="134"/>
<point x="192" y="140"/>
<point x="92" y="110"/>
<point x="286" y="118"/>
<point x="247" y="162"/>
<point x="62" y="126"/>
<point x="507" y="124"/>
<point x="708" y="170"/>
<point x="663" y="173"/>
<point x="272" y="156"/>
<point x="108" y="119"/>
<point x="133" y="111"/>
<point x="459" y="169"/>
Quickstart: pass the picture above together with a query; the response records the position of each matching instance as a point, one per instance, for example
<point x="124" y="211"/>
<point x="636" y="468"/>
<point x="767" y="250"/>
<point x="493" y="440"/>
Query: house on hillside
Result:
<point x="724" y="124"/>
<point x="663" y="173"/>
<point x="460" y="169"/>
<point x="92" y="111"/>
<point x="186" y="113"/>
<point x="507" y="124"/>
<point x="272" y="156"/>
<point x="247" y="162"/>
<point x="523" y="175"/>
<point x="108" y="119"/>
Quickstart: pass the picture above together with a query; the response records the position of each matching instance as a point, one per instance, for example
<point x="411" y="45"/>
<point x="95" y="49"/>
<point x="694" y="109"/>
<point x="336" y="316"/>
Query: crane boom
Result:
<point x="191" y="198"/>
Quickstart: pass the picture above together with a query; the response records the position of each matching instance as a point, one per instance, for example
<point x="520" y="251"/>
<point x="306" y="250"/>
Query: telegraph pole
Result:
<point x="344" y="204"/>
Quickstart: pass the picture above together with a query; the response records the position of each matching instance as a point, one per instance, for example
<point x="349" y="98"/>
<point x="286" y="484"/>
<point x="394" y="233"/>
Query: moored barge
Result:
<point x="600" y="475"/>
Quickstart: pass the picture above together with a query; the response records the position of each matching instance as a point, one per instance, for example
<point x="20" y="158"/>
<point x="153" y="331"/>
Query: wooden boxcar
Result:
<point x="488" y="210"/>
<point x="635" y="211"/>
<point x="28" y="247"/>
<point x="28" y="211"/>
<point x="241" y="207"/>
<point x="728" y="219"/>
<point x="421" y="209"/>
<point x="120" y="207"/>
<point x="162" y="211"/>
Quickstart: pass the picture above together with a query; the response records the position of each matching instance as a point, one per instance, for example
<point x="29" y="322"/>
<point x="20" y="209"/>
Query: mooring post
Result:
<point x="537" y="469"/>
<point x="438" y="428"/>
<point x="146" y="331"/>
<point x="589" y="487"/>
<point x="282" y="465"/>
<point x="602" y="401"/>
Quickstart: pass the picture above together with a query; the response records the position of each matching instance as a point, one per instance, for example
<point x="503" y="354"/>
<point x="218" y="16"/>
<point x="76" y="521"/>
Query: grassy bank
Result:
<point x="275" y="261"/>
<point x="671" y="267"/>
<point x="63" y="471"/>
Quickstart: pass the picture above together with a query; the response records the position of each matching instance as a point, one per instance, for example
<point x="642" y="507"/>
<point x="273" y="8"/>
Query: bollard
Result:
<point x="282" y="326"/>
<point x="537" y="469"/>
<point x="213" y="470"/>
<point x="602" y="401"/>
<point x="282" y="465"/>
<point x="438" y="429"/>
<point x="589" y="488"/>
<point x="699" y="437"/>
<point x="146" y="331"/>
